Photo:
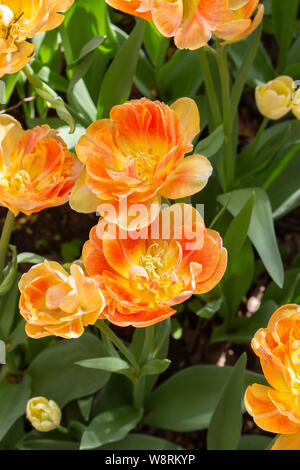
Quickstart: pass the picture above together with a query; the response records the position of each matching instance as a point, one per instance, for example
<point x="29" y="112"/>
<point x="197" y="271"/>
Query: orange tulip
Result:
<point x="142" y="275"/>
<point x="191" y="22"/>
<point x="137" y="156"/>
<point x="36" y="168"/>
<point x="55" y="303"/>
<point x="238" y="23"/>
<point x="277" y="408"/>
<point x="20" y="20"/>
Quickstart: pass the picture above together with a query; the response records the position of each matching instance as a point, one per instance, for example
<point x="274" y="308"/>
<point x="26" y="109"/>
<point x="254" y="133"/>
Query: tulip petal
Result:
<point x="287" y="442"/>
<point x="265" y="413"/>
<point x="10" y="133"/>
<point x="189" y="178"/>
<point x="167" y="16"/>
<point x="189" y="119"/>
<point x="82" y="199"/>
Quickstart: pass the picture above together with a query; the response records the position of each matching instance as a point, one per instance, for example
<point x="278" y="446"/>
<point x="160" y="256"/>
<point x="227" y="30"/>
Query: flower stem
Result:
<point x="139" y="386"/>
<point x="229" y="161"/>
<point x="210" y="87"/>
<point x="105" y="329"/>
<point x="5" y="237"/>
<point x="243" y="73"/>
<point x="256" y="140"/>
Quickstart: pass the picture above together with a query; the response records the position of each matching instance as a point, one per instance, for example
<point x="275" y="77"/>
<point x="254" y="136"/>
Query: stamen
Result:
<point x="9" y="28"/>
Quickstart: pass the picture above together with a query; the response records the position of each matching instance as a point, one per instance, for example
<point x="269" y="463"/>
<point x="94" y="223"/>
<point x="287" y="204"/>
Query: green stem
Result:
<point x="210" y="87"/>
<point x="243" y="73"/>
<point x="256" y="140"/>
<point x="5" y="237"/>
<point x="139" y="386"/>
<point x="229" y="160"/>
<point x="105" y="329"/>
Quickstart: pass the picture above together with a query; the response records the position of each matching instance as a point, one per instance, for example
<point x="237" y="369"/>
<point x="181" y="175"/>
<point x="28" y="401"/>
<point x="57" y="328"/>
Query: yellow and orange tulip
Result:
<point x="21" y="20"/>
<point x="36" y="169"/>
<point x="277" y="408"/>
<point x="193" y="22"/>
<point x="137" y="156"/>
<point x="143" y="276"/>
<point x="190" y="22"/>
<point x="237" y="22"/>
<point x="55" y="303"/>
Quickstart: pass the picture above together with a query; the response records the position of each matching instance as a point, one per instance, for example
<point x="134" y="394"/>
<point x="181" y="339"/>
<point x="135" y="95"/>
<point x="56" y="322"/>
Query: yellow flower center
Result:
<point x="162" y="283"/>
<point x="9" y="29"/>
<point x="144" y="164"/>
<point x="15" y="181"/>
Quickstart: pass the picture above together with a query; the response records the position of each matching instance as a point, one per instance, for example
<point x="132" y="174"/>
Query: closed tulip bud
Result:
<point x="274" y="99"/>
<point x="43" y="414"/>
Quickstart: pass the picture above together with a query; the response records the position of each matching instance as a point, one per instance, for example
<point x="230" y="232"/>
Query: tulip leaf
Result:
<point x="10" y="272"/>
<point x="110" y="426"/>
<point x="242" y="329"/>
<point x="141" y="442"/>
<point x="8" y="309"/>
<point x="238" y="229"/>
<point x="155" y="366"/>
<point x="55" y="375"/>
<point x="254" y="442"/>
<point x="13" y="400"/>
<point x="46" y="444"/>
<point x="111" y="364"/>
<point x="31" y="258"/>
<point x="210" y="146"/>
<point x="226" y="424"/>
<point x="284" y="19"/>
<point x="117" y="82"/>
<point x="261" y="230"/>
<point x="186" y="401"/>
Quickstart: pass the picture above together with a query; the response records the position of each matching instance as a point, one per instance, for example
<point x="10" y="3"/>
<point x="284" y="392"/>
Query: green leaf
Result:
<point x="110" y="426"/>
<point x="238" y="229"/>
<point x="31" y="258"/>
<point x="210" y="308"/>
<point x="55" y="375"/>
<point x="13" y="400"/>
<point x="210" y="146"/>
<point x="156" y="45"/>
<point x="89" y="47"/>
<point x="254" y="442"/>
<point x="47" y="444"/>
<point x="155" y="366"/>
<point x="111" y="364"/>
<point x="186" y="401"/>
<point x="226" y="424"/>
<point x="8" y="309"/>
<point x="236" y="286"/>
<point x="117" y="82"/>
<point x="141" y="442"/>
<point x="261" y="230"/>
<point x="10" y="272"/>
<point x="284" y="18"/>
<point x="242" y="329"/>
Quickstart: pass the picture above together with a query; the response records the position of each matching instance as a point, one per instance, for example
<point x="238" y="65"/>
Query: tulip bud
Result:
<point x="44" y="415"/>
<point x="296" y="104"/>
<point x="274" y="99"/>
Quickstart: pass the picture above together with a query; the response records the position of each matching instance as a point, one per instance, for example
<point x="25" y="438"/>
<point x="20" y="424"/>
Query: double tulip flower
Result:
<point x="276" y="408"/>
<point x="133" y="273"/>
<point x="193" y="22"/>
<point x="20" y="20"/>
